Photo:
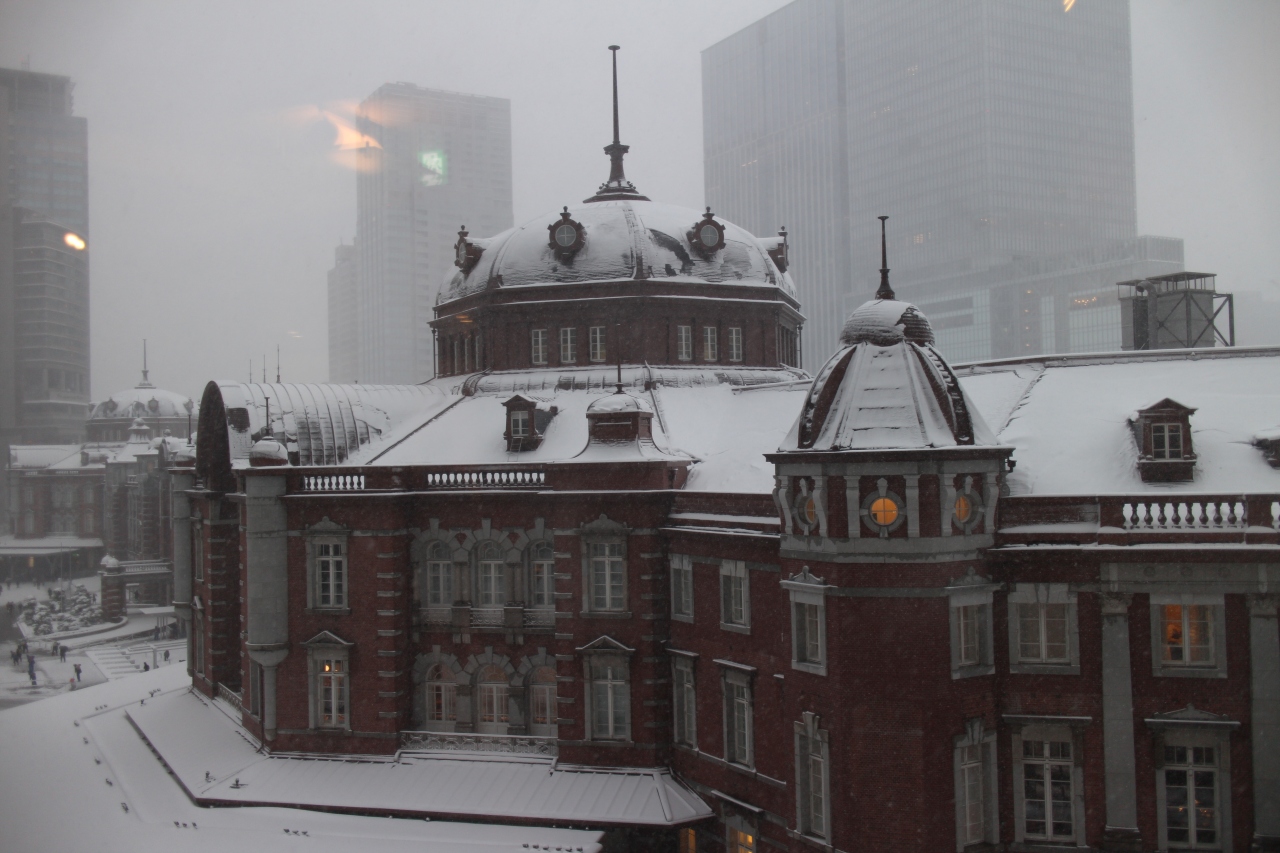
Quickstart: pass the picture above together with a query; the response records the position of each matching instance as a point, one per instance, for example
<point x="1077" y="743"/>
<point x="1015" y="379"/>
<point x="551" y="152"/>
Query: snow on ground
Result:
<point x="1071" y="432"/>
<point x="79" y="777"/>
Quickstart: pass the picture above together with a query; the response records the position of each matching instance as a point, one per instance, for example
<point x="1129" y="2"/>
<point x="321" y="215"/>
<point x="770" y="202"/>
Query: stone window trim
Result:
<point x="812" y="743"/>
<point x="603" y="652"/>
<point x="1191" y="727"/>
<point x="325" y="646"/>
<point x="879" y="518"/>
<point x="734" y="573"/>
<point x="804" y="588"/>
<point x="326" y="532"/>
<point x="682" y="602"/>
<point x="604" y="531"/>
<point x="742" y="677"/>
<point x="1218" y="626"/>
<point x="1030" y="727"/>
<point x="1043" y="593"/>
<point x="735" y="343"/>
<point x="977" y="734"/>
<point x="972" y="591"/>
<point x="539" y="551"/>
<point x="470" y="715"/>
<point x="449" y="666"/>
<point x="686" y="733"/>
<point x="539" y="346"/>
<point x="197" y="547"/>
<point x="741" y="833"/>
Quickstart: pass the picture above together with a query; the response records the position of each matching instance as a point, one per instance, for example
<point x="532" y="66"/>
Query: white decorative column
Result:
<point x="913" y="505"/>
<point x="1117" y="726"/>
<point x="1264" y="676"/>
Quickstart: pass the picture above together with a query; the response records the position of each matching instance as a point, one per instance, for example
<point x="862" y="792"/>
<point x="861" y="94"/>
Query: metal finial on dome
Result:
<point x="617" y="187"/>
<point x="885" y="291"/>
<point x="145" y="383"/>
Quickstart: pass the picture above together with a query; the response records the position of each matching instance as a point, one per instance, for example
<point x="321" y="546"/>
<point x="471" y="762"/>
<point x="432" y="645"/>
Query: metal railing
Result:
<point x="229" y="696"/>
<point x="467" y="742"/>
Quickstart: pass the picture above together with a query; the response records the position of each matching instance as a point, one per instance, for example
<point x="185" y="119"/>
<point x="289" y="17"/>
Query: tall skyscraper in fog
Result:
<point x="438" y="161"/>
<point x="343" y="357"/>
<point x="996" y="134"/>
<point x="44" y="265"/>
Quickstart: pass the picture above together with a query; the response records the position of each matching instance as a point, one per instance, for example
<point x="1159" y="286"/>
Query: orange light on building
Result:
<point x="75" y="241"/>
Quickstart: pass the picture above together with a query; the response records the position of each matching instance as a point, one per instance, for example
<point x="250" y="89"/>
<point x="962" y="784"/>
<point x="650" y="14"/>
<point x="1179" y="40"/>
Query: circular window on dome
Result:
<point x="968" y="509"/>
<point x="708" y="235"/>
<point x="566" y="236"/>
<point x="805" y="507"/>
<point x="883" y="511"/>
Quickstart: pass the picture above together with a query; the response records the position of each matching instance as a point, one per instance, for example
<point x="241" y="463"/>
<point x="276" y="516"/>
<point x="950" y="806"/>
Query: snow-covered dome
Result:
<point x="884" y="322"/>
<point x="144" y="401"/>
<point x="621" y="239"/>
<point x="619" y="402"/>
<point x="887" y="388"/>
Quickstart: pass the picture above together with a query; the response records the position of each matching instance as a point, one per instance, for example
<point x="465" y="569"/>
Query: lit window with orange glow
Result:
<point x="331" y="693"/>
<point x="883" y="510"/>
<point x="75" y="241"/>
<point x="1188" y="634"/>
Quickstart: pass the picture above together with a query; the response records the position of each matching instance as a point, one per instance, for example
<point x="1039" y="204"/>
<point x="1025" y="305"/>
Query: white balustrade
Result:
<point x="460" y="742"/>
<point x="1211" y="513"/>
<point x="334" y="483"/>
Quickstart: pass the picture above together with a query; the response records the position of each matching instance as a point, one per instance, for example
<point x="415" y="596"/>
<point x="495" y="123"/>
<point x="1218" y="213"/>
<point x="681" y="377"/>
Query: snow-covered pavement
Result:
<point x="77" y="776"/>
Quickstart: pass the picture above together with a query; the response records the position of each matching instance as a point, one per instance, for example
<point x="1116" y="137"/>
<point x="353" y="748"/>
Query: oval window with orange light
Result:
<point x="964" y="509"/>
<point x="883" y="511"/>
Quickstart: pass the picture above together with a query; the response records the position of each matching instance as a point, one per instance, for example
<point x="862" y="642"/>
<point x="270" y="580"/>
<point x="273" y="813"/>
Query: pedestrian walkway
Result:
<point x="118" y="662"/>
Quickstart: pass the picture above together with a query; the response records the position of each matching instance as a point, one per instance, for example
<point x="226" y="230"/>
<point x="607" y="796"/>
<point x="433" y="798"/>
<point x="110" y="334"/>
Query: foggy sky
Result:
<point x="215" y="205"/>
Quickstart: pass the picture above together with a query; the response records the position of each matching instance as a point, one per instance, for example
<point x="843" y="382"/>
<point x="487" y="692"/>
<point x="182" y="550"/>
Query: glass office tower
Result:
<point x="996" y="134"/>
<point x="441" y="160"/>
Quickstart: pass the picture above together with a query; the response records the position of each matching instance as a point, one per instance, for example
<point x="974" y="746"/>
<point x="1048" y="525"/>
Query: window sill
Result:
<point x="736" y="629"/>
<point x="605" y="614"/>
<point x="1044" y="668"/>
<point x="680" y="617"/>
<point x="972" y="671"/>
<point x="327" y="611"/>
<point x="812" y="668"/>
<point x="1164" y="671"/>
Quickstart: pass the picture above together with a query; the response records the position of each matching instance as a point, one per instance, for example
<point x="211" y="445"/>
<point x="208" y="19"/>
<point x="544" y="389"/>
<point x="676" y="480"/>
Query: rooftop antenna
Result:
<point x="885" y="291"/>
<point x="277" y="364"/>
<point x="268" y="399"/>
<point x="264" y="368"/>
<point x="617" y="187"/>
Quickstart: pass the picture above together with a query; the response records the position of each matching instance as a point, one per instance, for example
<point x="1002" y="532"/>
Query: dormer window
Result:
<point x="527" y="419"/>
<point x="707" y="236"/>
<point x="1162" y="433"/>
<point x="566" y="236"/>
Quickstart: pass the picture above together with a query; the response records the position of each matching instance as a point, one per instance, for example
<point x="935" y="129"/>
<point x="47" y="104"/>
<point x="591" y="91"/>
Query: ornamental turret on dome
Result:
<point x="617" y="188"/>
<point x="887" y="387"/>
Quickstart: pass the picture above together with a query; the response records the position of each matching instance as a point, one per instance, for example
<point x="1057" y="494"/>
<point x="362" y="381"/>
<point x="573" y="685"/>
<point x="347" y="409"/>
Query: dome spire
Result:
<point x="145" y="383"/>
<point x="885" y="291"/>
<point x="617" y="187"/>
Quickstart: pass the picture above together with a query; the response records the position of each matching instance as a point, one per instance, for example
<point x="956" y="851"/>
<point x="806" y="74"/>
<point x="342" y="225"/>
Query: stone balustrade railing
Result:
<point x="468" y="742"/>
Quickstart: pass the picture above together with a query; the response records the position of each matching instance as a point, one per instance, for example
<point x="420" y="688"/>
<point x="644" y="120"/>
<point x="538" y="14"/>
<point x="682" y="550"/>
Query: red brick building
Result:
<point x="896" y="606"/>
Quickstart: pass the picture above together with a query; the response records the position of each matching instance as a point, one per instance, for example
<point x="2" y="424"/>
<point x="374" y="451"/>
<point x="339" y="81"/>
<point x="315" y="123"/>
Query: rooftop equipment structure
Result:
<point x="1175" y="311"/>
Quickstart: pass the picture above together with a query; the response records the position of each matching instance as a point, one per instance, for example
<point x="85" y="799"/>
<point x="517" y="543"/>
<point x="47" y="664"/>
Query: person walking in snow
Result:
<point x="62" y="653"/>
<point x="166" y="655"/>
<point x="31" y="669"/>
<point x="77" y="668"/>
<point x="146" y="667"/>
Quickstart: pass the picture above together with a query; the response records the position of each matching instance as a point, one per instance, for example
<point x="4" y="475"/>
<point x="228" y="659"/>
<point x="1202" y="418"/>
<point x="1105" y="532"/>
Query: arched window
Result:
<point x="542" y="568"/>
<point x="493" y="716"/>
<point x="442" y="691"/>
<point x="542" y="702"/>
<point x="492" y="575"/>
<point x="439" y="579"/>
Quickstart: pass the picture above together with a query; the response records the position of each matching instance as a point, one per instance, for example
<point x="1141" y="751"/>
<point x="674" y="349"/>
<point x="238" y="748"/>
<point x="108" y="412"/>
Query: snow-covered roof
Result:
<point x="80" y="778"/>
<point x="223" y="766"/>
<point x="144" y="401"/>
<point x="625" y="240"/>
<point x="1068" y="417"/>
<point x="36" y="456"/>
<point x="324" y="424"/>
<point x="727" y="428"/>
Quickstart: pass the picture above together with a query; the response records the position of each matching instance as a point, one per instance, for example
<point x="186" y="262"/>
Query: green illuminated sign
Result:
<point x="434" y="168"/>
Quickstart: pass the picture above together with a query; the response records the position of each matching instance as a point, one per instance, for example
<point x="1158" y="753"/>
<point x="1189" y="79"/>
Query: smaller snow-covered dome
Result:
<point x="884" y="322"/>
<point x="144" y="401"/>
<point x="268" y="451"/>
<point x="620" y="402"/>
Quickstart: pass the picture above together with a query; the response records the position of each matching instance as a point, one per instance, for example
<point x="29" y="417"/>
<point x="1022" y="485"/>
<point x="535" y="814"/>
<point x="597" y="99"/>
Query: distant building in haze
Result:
<point x="999" y="137"/>
<point x="343" y="323"/>
<point x="437" y="161"/>
<point x="44" y="265"/>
